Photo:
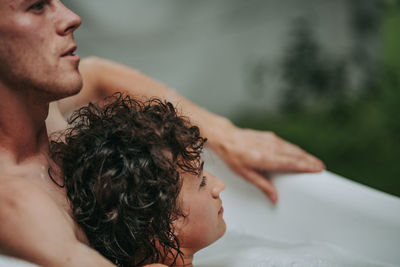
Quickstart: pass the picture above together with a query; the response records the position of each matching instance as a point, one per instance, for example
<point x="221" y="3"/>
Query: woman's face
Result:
<point x="202" y="206"/>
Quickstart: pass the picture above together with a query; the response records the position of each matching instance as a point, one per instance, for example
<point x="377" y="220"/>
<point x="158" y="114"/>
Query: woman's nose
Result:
<point x="219" y="186"/>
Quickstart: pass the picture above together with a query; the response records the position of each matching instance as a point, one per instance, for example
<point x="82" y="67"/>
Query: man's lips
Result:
<point x="69" y="52"/>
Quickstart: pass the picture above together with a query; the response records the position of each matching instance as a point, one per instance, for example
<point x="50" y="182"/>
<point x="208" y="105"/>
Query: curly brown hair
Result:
<point x="121" y="162"/>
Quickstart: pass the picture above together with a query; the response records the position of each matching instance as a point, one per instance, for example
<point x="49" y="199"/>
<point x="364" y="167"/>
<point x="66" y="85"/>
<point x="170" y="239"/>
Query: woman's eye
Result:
<point x="203" y="181"/>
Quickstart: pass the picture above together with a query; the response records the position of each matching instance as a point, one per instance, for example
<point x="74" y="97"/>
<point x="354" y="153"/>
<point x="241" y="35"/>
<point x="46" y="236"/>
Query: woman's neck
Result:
<point x="185" y="260"/>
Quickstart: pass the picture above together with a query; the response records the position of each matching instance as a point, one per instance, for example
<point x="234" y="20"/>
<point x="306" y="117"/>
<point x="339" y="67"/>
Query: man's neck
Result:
<point x="22" y="125"/>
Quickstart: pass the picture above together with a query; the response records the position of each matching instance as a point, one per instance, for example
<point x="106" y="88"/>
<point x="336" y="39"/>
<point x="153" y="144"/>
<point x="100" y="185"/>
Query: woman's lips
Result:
<point x="221" y="210"/>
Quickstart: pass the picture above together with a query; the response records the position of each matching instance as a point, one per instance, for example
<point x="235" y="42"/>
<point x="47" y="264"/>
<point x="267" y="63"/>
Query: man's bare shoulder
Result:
<point x="22" y="195"/>
<point x="28" y="217"/>
<point x="22" y="200"/>
<point x="34" y="228"/>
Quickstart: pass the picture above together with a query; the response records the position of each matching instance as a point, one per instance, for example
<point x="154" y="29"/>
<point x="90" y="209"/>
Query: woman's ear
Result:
<point x="178" y="225"/>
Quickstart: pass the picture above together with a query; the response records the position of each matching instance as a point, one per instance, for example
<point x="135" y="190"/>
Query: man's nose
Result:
<point x="68" y="20"/>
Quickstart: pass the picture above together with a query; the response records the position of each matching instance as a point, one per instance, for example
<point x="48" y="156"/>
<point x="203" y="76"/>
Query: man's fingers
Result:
<point x="292" y="158"/>
<point x="263" y="183"/>
<point x="291" y="149"/>
<point x="291" y="163"/>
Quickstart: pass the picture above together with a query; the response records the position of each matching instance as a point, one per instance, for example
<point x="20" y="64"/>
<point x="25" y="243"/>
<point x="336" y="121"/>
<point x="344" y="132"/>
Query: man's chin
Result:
<point x="66" y="90"/>
<point x="71" y="86"/>
<point x="70" y="92"/>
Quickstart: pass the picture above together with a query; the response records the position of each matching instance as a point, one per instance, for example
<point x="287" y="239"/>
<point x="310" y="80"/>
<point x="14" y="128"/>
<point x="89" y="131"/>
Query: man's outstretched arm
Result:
<point x="249" y="153"/>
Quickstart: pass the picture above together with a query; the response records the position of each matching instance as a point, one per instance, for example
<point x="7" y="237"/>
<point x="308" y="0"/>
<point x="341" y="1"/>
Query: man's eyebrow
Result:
<point x="27" y="1"/>
<point x="24" y="2"/>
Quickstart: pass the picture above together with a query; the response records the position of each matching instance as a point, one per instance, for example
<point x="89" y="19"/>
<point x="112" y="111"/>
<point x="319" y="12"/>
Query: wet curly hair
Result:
<point x="121" y="162"/>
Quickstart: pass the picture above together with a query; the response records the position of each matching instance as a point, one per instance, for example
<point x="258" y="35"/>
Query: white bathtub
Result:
<point x="320" y="220"/>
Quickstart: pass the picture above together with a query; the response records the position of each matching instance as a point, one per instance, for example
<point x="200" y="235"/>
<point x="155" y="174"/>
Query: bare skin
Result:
<point x="37" y="66"/>
<point x="251" y="154"/>
<point x="204" y="223"/>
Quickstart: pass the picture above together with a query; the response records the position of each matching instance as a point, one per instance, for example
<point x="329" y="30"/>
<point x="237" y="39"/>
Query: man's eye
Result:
<point x="37" y="6"/>
<point x="203" y="181"/>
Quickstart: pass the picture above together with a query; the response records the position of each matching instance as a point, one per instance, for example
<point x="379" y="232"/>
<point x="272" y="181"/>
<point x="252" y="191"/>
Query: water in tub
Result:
<point x="238" y="249"/>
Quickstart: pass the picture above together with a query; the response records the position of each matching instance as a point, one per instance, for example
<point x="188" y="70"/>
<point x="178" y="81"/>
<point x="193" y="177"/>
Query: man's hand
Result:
<point x="254" y="154"/>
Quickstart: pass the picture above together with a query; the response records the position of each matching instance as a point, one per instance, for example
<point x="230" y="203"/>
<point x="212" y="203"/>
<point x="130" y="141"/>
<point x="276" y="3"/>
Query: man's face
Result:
<point x="36" y="48"/>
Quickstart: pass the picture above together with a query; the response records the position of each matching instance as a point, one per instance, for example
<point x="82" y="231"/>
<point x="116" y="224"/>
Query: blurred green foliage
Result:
<point x="356" y="133"/>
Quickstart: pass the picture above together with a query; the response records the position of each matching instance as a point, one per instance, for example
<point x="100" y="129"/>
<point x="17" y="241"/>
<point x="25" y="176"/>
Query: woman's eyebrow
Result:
<point x="201" y="168"/>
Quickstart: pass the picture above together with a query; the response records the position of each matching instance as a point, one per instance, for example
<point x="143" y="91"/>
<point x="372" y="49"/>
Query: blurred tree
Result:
<point x="357" y="133"/>
<point x="309" y="74"/>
